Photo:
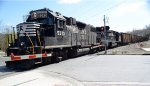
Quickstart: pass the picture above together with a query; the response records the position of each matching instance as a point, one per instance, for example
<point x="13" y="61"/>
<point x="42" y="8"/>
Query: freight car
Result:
<point x="47" y="37"/>
<point x="127" y="38"/>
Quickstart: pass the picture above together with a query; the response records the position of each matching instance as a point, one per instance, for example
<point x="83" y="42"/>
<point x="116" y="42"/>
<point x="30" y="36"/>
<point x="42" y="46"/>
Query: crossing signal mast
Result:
<point x="105" y="35"/>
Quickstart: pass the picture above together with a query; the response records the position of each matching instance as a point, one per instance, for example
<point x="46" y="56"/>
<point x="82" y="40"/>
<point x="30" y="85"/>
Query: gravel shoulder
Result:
<point x="131" y="49"/>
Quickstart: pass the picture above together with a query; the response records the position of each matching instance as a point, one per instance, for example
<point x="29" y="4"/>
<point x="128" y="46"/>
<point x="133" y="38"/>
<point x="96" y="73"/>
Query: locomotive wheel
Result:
<point x="91" y="51"/>
<point x="110" y="45"/>
<point x="46" y="60"/>
<point x="97" y="50"/>
<point x="56" y="58"/>
<point x="100" y="49"/>
<point x="65" y="56"/>
<point x="72" y="53"/>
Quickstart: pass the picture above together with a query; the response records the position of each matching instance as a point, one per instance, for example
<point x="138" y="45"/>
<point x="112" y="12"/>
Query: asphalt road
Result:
<point x="4" y="71"/>
<point x="102" y="70"/>
<point x="105" y="68"/>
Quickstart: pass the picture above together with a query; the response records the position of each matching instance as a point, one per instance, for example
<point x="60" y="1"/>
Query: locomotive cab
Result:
<point x="52" y="26"/>
<point x="43" y="28"/>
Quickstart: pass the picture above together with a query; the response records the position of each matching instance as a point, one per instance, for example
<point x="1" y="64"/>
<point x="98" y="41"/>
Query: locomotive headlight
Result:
<point x="22" y="44"/>
<point x="9" y="44"/>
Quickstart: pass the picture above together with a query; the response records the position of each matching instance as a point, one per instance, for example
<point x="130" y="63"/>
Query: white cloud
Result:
<point x="68" y="1"/>
<point x="131" y="7"/>
<point x="129" y="15"/>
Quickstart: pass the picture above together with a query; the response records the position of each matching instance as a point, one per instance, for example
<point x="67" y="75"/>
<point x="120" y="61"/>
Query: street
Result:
<point x="105" y="68"/>
<point x="91" y="70"/>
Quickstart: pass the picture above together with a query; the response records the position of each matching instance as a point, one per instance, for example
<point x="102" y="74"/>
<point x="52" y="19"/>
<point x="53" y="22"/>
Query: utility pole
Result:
<point x="105" y="35"/>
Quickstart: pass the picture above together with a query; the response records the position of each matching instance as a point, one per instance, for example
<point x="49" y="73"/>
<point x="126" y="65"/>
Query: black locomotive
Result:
<point x="51" y="32"/>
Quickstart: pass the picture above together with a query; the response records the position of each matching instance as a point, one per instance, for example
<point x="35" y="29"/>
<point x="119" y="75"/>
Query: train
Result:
<point x="47" y="37"/>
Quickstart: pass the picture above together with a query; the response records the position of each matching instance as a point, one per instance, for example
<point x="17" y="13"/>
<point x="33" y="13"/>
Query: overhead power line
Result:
<point x="97" y="13"/>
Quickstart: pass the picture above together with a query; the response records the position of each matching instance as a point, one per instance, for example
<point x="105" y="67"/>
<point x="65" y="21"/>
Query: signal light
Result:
<point x="102" y="29"/>
<point x="106" y="27"/>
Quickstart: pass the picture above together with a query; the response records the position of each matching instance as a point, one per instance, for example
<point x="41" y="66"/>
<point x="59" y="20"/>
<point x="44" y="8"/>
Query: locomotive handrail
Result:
<point x="39" y="42"/>
<point x="31" y="43"/>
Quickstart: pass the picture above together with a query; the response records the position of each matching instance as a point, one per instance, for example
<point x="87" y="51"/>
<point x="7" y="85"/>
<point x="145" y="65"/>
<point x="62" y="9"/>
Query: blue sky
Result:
<point x="122" y="15"/>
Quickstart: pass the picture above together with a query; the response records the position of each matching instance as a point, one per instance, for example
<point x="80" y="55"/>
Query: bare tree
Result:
<point x="143" y="32"/>
<point x="4" y="31"/>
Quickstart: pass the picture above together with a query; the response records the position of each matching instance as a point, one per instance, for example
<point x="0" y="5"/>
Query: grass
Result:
<point x="2" y="53"/>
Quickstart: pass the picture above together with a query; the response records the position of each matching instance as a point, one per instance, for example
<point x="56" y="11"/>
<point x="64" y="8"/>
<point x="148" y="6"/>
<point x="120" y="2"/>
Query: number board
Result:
<point x="39" y="14"/>
<point x="62" y="33"/>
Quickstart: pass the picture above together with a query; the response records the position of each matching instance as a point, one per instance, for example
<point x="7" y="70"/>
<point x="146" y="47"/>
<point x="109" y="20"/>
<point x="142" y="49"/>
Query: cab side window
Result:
<point x="60" y="23"/>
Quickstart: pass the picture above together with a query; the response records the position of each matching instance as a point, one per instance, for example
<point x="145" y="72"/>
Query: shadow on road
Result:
<point x="5" y="69"/>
